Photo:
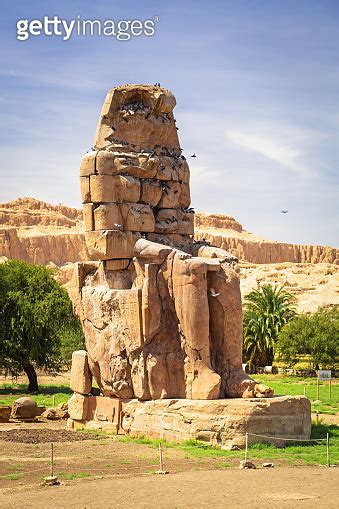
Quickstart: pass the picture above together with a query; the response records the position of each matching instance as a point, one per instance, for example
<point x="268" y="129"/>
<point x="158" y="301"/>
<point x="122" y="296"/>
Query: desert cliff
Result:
<point x="38" y="232"/>
<point x="227" y="233"/>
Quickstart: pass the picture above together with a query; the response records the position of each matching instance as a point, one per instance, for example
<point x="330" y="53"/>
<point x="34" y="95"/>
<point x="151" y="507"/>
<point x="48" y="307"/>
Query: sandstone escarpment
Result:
<point x="38" y="232"/>
<point x="228" y="234"/>
<point x="28" y="228"/>
<point x="313" y="285"/>
<point x="29" y="211"/>
<point x="221" y="221"/>
<point x="58" y="248"/>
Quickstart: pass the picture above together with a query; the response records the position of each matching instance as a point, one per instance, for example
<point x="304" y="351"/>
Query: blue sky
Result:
<point x="257" y="88"/>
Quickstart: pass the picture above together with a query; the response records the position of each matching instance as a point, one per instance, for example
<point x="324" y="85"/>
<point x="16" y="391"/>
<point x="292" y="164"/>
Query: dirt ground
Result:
<point x="103" y="472"/>
<point x="276" y="488"/>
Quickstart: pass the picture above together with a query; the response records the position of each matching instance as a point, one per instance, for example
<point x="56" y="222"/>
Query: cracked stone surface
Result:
<point x="162" y="314"/>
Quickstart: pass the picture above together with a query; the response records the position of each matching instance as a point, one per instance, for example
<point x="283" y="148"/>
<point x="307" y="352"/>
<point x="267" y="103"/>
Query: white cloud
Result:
<point x="267" y="145"/>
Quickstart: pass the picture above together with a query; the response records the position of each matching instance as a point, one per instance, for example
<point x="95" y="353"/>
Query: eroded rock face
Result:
<point x="162" y="314"/>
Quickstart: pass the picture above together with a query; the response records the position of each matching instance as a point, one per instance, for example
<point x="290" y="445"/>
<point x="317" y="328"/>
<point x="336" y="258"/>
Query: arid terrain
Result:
<point x="38" y="232"/>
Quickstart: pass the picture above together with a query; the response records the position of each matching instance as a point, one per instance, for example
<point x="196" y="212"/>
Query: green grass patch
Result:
<point x="12" y="477"/>
<point x="73" y="475"/>
<point x="15" y="467"/>
<point x="9" y="392"/>
<point x="294" y="453"/>
<point x="294" y="386"/>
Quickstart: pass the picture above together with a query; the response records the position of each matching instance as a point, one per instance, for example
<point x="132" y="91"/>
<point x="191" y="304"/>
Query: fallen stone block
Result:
<point x="24" y="408"/>
<point x="5" y="413"/>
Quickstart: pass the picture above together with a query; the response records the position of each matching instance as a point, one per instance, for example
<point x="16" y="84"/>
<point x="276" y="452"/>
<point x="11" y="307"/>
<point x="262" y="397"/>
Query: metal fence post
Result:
<point x="246" y="446"/>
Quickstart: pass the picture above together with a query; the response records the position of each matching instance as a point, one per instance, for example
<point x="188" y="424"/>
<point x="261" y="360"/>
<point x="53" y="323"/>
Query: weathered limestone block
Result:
<point x="110" y="244"/>
<point x="151" y="192"/>
<point x="104" y="409"/>
<point x="185" y="197"/>
<point x="107" y="217"/>
<point x="185" y="223"/>
<point x="171" y="196"/>
<point x="105" y="163"/>
<point x="176" y="240"/>
<point x="114" y="188"/>
<point x="151" y="303"/>
<point x="87" y="166"/>
<point x="167" y="169"/>
<point x="137" y="217"/>
<point x="85" y="189"/>
<point x="78" y="406"/>
<point x="5" y="413"/>
<point x="183" y="172"/>
<point x="142" y="166"/>
<point x="117" y="264"/>
<point x="88" y="217"/>
<point x="24" y="408"/>
<point x="166" y="221"/>
<point x="102" y="188"/>
<point x="162" y="315"/>
<point x="127" y="189"/>
<point x="81" y="377"/>
<point x="108" y="341"/>
<point x="140" y="118"/>
<point x="219" y="422"/>
<point x="150" y="251"/>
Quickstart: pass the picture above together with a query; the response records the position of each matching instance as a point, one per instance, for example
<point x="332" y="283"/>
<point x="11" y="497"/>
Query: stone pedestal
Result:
<point x="217" y="422"/>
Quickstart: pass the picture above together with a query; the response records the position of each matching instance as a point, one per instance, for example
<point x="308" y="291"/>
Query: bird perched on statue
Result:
<point x="213" y="293"/>
<point x="119" y="226"/>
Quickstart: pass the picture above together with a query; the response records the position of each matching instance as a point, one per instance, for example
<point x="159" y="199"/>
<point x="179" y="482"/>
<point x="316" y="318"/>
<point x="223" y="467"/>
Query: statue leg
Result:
<point x="189" y="284"/>
<point x="226" y="335"/>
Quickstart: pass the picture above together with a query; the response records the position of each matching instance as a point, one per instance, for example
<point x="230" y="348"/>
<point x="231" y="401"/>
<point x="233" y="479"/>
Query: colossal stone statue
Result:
<point x="161" y="313"/>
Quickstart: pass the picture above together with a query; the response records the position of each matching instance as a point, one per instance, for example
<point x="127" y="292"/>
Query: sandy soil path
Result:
<point x="275" y="488"/>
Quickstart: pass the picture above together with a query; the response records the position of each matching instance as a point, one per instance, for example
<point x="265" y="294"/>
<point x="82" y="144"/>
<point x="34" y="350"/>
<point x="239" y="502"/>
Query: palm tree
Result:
<point x="266" y="310"/>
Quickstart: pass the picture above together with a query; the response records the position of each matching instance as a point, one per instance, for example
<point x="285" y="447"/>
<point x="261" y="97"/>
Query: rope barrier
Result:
<point x="290" y="439"/>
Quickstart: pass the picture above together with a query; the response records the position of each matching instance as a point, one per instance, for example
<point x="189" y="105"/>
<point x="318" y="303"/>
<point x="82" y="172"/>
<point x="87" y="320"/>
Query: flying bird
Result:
<point x="193" y="155"/>
<point x="284" y="211"/>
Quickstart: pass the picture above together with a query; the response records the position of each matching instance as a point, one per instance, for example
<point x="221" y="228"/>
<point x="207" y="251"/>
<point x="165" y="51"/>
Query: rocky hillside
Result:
<point x="227" y="233"/>
<point x="29" y="212"/>
<point x="38" y="232"/>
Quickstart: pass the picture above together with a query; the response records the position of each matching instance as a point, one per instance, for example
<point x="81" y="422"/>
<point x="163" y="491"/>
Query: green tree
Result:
<point x="266" y="310"/>
<point x="34" y="309"/>
<point x="315" y="335"/>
